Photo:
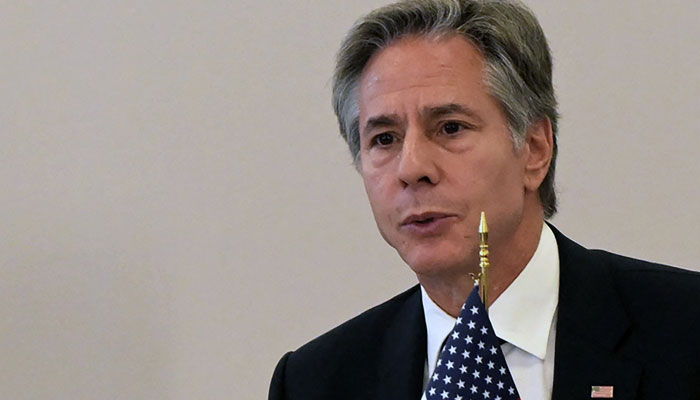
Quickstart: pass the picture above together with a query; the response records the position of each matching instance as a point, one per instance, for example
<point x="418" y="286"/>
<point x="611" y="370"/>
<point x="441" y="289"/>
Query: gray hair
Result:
<point x="517" y="58"/>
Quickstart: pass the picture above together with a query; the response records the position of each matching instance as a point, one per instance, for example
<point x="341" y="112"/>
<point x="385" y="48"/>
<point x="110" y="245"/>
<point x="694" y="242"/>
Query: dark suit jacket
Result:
<point x="621" y="322"/>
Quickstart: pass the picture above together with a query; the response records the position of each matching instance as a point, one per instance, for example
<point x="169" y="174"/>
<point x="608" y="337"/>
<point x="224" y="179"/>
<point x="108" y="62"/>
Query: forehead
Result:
<point x="450" y="66"/>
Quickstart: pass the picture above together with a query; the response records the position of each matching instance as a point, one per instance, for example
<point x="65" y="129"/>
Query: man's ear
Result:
<point x="539" y="145"/>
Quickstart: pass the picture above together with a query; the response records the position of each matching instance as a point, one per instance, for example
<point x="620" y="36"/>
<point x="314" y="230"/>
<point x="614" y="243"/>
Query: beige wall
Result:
<point x="177" y="209"/>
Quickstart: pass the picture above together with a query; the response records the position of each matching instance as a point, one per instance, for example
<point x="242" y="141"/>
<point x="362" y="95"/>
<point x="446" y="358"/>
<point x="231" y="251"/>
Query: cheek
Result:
<point x="376" y="193"/>
<point x="509" y="189"/>
<point x="382" y="197"/>
<point x="381" y="202"/>
<point x="507" y="169"/>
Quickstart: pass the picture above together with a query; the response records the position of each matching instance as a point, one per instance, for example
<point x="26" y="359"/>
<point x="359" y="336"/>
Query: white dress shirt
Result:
<point x="524" y="315"/>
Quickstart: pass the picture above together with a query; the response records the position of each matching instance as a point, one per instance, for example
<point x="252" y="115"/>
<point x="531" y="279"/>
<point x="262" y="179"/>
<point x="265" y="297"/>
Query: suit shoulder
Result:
<point x="661" y="300"/>
<point x="361" y="331"/>
<point x="640" y="273"/>
<point x="349" y="361"/>
<point x="626" y="270"/>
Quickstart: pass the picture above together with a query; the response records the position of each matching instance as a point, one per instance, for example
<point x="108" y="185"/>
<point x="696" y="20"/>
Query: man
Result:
<point x="448" y="109"/>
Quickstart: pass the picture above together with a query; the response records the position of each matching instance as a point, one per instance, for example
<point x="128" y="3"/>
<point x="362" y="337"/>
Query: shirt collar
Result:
<point x="522" y="315"/>
<point x="438" y="325"/>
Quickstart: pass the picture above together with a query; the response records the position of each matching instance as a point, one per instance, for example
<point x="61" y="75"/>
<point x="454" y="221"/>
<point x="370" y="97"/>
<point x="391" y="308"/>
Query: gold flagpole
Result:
<point x="484" y="260"/>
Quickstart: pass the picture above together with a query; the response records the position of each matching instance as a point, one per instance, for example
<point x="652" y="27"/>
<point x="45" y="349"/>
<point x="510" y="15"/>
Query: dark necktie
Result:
<point x="471" y="364"/>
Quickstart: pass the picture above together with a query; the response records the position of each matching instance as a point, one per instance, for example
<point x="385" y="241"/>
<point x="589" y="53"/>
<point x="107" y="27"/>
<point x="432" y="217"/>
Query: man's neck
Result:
<point x="507" y="261"/>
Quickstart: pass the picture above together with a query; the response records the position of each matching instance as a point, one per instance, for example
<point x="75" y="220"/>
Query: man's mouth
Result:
<point x="424" y="218"/>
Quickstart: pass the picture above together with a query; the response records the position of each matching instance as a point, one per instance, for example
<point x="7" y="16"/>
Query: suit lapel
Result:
<point x="404" y="352"/>
<point x="591" y="327"/>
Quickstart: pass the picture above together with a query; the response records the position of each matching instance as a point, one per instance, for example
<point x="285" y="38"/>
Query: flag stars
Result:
<point x="478" y="376"/>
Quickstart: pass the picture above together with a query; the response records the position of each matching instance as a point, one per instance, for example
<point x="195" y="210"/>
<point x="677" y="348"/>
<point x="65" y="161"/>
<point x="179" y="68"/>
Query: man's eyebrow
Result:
<point x="450" y="108"/>
<point x="381" y="121"/>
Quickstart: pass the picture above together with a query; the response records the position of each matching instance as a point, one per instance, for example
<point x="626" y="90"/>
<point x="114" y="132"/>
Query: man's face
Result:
<point x="435" y="152"/>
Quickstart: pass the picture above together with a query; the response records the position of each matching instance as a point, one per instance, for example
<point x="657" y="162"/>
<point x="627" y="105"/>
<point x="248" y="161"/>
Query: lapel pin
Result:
<point x="601" y="392"/>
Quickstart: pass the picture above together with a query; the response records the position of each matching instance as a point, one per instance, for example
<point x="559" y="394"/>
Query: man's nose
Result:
<point x="417" y="163"/>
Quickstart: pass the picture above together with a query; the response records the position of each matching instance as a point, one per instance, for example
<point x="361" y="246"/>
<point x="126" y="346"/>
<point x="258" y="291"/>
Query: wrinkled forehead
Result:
<point x="407" y="57"/>
<point x="427" y="69"/>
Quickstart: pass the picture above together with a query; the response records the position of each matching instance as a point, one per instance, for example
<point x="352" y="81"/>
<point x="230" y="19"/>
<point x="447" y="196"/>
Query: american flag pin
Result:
<point x="601" y="392"/>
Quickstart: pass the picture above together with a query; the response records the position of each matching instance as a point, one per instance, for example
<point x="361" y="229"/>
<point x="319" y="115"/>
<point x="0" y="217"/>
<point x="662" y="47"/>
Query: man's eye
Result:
<point x="451" y="128"/>
<point x="383" y="139"/>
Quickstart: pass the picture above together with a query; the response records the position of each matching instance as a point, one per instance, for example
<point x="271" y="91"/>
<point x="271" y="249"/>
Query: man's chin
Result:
<point x="436" y="258"/>
<point x="436" y="266"/>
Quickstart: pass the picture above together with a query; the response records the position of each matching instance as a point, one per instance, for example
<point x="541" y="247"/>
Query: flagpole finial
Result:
<point x="484" y="259"/>
<point x="483" y="228"/>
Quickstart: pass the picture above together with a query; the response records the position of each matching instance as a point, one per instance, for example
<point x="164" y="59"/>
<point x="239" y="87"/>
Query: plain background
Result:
<point x="177" y="209"/>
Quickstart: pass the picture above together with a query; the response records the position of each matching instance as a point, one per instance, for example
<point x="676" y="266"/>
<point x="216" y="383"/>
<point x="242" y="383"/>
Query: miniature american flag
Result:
<point x="472" y="365"/>
<point x="601" y="392"/>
